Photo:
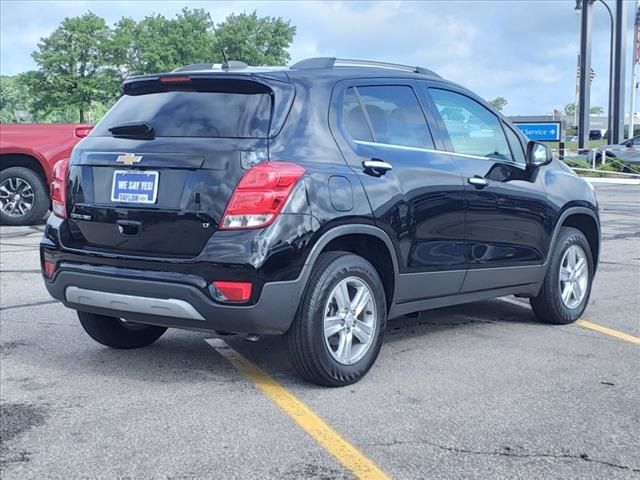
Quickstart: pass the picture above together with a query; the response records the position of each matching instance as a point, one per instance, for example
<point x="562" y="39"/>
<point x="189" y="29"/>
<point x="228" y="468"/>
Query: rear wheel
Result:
<point x="337" y="334"/>
<point x="567" y="285"/>
<point x="117" y="333"/>
<point x="24" y="196"/>
<point x="600" y="156"/>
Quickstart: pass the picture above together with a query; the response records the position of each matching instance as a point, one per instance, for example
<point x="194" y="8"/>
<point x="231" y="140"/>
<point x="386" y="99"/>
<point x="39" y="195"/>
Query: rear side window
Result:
<point x="472" y="128"/>
<point x="393" y="112"/>
<point x="193" y="114"/>
<point x="354" y="121"/>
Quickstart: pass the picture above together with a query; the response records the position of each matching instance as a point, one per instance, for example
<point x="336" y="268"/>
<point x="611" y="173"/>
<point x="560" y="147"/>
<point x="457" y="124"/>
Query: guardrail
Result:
<point x="605" y="172"/>
<point x="598" y="156"/>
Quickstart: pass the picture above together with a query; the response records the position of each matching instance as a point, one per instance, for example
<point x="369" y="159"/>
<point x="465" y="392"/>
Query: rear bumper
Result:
<point x="176" y="305"/>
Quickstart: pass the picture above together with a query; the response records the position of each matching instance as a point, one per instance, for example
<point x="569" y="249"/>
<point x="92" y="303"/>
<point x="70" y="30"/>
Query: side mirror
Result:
<point x="538" y="154"/>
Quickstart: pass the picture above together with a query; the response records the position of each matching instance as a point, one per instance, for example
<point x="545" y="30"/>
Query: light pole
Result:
<point x="585" y="7"/>
<point x="619" y="69"/>
<point x="634" y="69"/>
<point x="611" y="71"/>
<point x="611" y="56"/>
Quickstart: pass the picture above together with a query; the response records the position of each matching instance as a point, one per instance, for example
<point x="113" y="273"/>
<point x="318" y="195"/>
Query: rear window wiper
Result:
<point x="141" y="130"/>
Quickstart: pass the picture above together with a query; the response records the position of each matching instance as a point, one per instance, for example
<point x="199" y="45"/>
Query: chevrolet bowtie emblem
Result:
<point x="129" y="158"/>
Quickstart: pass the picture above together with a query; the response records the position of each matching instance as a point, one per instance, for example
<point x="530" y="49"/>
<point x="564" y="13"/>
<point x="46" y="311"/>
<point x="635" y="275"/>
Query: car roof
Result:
<point x="288" y="75"/>
<point x="326" y="67"/>
<point x="319" y="69"/>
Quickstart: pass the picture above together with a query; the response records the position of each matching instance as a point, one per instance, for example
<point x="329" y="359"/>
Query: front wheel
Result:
<point x="338" y="331"/>
<point x="567" y="285"/>
<point x="117" y="333"/>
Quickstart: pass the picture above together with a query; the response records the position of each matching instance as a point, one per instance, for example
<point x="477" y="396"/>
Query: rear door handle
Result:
<point x="376" y="167"/>
<point x="478" y="182"/>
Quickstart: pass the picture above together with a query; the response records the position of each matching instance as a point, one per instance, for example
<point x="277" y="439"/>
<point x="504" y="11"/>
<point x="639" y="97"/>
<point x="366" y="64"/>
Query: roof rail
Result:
<point x="229" y="65"/>
<point x="331" y="62"/>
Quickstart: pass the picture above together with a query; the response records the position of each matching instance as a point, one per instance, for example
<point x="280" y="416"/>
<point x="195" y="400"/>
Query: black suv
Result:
<point x="315" y="201"/>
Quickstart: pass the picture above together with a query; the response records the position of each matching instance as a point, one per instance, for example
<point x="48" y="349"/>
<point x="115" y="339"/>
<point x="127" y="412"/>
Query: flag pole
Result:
<point x="634" y="81"/>
<point x="634" y="69"/>
<point x="575" y="110"/>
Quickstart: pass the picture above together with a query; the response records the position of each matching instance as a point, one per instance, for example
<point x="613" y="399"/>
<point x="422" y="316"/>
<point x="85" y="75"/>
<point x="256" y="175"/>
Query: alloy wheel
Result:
<point x="350" y="320"/>
<point x="574" y="276"/>
<point x="16" y="197"/>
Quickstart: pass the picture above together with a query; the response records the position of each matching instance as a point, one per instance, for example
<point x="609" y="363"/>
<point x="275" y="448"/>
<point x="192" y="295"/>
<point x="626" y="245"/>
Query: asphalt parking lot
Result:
<point x="476" y="391"/>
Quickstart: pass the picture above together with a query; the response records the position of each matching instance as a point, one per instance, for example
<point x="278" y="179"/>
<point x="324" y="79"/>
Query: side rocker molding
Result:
<point x="529" y="288"/>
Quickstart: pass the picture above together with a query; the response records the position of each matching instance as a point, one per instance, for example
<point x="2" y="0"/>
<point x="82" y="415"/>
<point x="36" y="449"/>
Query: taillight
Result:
<point x="83" y="131"/>
<point x="260" y="195"/>
<point x="59" y="188"/>
<point x="233" y="291"/>
<point x="48" y="268"/>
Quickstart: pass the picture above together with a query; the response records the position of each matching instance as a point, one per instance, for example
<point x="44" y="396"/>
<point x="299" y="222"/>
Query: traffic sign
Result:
<point x="541" y="131"/>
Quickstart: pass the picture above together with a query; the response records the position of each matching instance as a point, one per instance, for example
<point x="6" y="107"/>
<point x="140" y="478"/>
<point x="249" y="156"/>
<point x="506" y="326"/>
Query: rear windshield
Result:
<point x="193" y="114"/>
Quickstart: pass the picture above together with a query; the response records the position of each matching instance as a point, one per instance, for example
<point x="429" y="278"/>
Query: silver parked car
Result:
<point x="627" y="152"/>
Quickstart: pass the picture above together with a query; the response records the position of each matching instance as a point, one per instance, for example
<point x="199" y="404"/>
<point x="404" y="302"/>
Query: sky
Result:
<point x="523" y="50"/>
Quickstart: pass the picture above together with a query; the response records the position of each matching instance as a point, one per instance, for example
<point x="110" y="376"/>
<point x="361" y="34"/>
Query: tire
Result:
<point x="115" y="333"/>
<point x="549" y="305"/>
<point x="609" y="156"/>
<point x="314" y="356"/>
<point x="21" y="179"/>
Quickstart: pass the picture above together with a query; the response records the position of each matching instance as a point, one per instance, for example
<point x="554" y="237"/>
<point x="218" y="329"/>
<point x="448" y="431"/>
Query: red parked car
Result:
<point x="28" y="153"/>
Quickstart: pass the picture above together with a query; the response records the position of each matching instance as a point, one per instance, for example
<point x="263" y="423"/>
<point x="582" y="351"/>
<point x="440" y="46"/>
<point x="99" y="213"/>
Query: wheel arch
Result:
<point x="584" y="220"/>
<point x="367" y="241"/>
<point x="8" y="160"/>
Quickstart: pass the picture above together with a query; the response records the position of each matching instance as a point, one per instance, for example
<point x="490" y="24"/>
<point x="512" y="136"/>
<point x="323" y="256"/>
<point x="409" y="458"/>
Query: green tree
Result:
<point x="570" y="109"/>
<point x="256" y="40"/>
<point x="73" y="68"/>
<point x="157" y="44"/>
<point x="14" y="97"/>
<point x="499" y="103"/>
<point x="81" y="64"/>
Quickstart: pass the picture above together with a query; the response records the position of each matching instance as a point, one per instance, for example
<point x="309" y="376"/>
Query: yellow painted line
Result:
<point x="586" y="324"/>
<point x="609" y="331"/>
<point x="336" y="445"/>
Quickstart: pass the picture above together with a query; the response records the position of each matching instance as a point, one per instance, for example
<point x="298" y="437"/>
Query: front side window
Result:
<point x="392" y="112"/>
<point x="516" y="145"/>
<point x="472" y="128"/>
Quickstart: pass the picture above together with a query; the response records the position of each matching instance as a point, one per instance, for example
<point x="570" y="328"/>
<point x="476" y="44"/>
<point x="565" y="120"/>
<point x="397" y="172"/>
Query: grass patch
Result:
<point x="574" y="145"/>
